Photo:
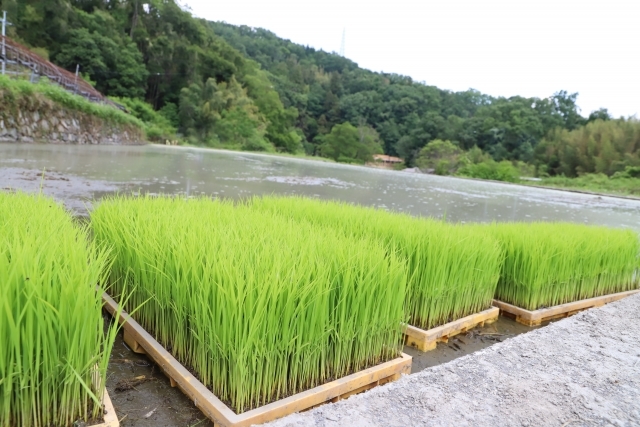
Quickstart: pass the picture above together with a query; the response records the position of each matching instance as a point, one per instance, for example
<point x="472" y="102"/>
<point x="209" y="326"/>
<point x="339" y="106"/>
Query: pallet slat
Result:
<point x="536" y="317"/>
<point x="428" y="340"/>
<point x="110" y="416"/>
<point x="214" y="409"/>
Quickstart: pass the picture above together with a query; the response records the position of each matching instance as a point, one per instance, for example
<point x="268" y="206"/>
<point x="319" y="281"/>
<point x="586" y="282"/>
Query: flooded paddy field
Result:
<point x="81" y="175"/>
<point x="78" y="175"/>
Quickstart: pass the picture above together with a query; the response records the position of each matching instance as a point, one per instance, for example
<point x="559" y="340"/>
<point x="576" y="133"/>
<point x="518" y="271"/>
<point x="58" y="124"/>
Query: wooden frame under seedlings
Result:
<point x="142" y="342"/>
<point x="257" y="306"/>
<point x="554" y="269"/>
<point x="452" y="269"/>
<point x="54" y="352"/>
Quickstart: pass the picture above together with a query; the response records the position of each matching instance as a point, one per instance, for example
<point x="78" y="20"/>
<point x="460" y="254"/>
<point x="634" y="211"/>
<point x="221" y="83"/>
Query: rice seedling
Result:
<point x="548" y="264"/>
<point x="452" y="270"/>
<point x="258" y="306"/>
<point x="53" y="343"/>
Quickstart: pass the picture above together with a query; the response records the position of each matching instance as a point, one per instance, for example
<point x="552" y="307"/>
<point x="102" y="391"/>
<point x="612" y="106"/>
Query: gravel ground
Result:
<point x="581" y="371"/>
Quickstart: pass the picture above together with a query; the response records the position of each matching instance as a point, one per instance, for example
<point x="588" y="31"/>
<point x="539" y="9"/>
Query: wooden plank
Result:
<point x="110" y="416"/>
<point x="222" y="415"/>
<point x="132" y="343"/>
<point x="536" y="317"/>
<point x="428" y="340"/>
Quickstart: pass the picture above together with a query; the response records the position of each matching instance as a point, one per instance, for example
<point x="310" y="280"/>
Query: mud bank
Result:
<point x="581" y="371"/>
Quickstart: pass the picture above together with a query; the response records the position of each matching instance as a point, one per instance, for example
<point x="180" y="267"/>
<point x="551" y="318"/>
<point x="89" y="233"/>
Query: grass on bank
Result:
<point x="23" y="95"/>
<point x="452" y="270"/>
<point x="595" y="183"/>
<point x="547" y="264"/>
<point x="51" y="325"/>
<point x="259" y="306"/>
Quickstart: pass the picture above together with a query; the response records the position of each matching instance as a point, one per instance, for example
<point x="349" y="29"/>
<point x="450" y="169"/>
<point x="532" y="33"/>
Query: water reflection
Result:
<point x="81" y="173"/>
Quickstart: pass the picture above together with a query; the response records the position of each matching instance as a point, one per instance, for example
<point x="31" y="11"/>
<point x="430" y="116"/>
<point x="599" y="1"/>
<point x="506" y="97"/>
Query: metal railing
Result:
<point x="14" y="53"/>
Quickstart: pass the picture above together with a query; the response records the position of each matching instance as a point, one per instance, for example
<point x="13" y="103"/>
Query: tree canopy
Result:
<point x="244" y="87"/>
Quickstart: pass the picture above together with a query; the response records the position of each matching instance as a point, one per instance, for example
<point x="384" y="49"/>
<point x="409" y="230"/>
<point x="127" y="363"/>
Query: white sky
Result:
<point x="499" y="47"/>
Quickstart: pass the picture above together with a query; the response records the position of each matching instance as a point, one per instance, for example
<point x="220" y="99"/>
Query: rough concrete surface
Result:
<point x="581" y="371"/>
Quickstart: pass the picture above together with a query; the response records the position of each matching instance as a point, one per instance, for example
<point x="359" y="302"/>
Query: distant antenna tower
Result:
<point x="344" y="37"/>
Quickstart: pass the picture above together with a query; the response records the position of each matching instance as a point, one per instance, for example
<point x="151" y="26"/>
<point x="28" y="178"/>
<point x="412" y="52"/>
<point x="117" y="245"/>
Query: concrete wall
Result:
<point x="48" y="122"/>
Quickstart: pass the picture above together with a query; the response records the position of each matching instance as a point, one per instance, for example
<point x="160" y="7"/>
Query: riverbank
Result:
<point x="581" y="371"/>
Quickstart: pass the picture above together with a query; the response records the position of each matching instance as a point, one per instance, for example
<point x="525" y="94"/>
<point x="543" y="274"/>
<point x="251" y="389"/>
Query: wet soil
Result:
<point x="148" y="401"/>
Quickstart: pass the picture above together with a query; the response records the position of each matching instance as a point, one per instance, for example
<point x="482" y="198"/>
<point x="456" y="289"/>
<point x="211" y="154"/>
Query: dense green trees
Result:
<point x="244" y="87"/>
<point x="601" y="146"/>
<point x="154" y="51"/>
<point x="346" y="143"/>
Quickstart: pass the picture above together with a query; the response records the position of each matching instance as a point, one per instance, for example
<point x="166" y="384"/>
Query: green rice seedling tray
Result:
<point x="222" y="416"/>
<point x="536" y="317"/>
<point x="429" y="339"/>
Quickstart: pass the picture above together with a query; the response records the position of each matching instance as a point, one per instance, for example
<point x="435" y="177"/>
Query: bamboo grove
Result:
<point x="54" y="351"/>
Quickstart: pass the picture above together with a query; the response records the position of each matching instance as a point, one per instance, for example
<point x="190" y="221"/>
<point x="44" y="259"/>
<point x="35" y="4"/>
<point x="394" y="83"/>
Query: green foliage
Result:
<point x="628" y="172"/>
<point x="443" y="157"/>
<point x="548" y="264"/>
<point x="490" y="169"/>
<point x="452" y="270"/>
<point x="328" y="90"/>
<point x="349" y="144"/>
<point x="115" y="65"/>
<point x="157" y="50"/>
<point x="22" y="94"/>
<point x="53" y="341"/>
<point x="259" y="306"/>
<point x="598" y="147"/>
<point x="619" y="183"/>
<point x="157" y="126"/>
<point x="222" y="113"/>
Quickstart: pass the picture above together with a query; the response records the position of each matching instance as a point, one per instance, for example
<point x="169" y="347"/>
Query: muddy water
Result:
<point x="80" y="174"/>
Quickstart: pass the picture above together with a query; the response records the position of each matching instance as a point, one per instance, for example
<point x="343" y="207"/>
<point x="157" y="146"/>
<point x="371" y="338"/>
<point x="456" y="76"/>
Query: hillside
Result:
<point x="231" y="86"/>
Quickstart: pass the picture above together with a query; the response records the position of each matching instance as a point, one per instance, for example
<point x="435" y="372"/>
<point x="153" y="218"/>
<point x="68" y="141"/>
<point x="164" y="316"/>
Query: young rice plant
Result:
<point x="452" y="270"/>
<point x="257" y="305"/>
<point x="547" y="264"/>
<point x="53" y="343"/>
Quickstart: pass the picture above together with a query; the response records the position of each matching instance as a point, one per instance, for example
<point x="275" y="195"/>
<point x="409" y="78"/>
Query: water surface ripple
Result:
<point x="78" y="175"/>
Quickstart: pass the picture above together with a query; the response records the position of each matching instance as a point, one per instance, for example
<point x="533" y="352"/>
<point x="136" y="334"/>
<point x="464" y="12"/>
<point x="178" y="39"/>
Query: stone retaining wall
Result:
<point x="53" y="124"/>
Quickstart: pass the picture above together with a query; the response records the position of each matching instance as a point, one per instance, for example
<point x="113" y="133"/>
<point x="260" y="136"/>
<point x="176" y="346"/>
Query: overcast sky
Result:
<point x="499" y="47"/>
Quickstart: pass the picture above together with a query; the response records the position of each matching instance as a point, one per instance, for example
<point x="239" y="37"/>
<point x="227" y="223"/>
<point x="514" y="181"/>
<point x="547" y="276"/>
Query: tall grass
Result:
<point x="51" y="327"/>
<point x="452" y="270"/>
<point x="259" y="306"/>
<point x="23" y="95"/>
<point x="547" y="264"/>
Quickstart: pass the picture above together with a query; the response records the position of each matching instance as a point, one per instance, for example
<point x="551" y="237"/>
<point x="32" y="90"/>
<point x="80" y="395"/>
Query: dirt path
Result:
<point x="582" y="371"/>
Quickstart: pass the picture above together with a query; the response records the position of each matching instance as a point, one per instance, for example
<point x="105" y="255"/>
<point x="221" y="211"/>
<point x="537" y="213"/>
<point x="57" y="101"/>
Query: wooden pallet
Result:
<point x="536" y="317"/>
<point x="428" y="340"/>
<point x="222" y="416"/>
